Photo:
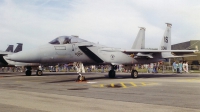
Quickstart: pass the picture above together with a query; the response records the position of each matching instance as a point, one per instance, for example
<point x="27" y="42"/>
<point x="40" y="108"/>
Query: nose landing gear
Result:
<point x="81" y="78"/>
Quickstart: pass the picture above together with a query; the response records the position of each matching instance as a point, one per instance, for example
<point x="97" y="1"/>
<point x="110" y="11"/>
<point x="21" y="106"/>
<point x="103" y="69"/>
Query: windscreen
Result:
<point x="66" y="40"/>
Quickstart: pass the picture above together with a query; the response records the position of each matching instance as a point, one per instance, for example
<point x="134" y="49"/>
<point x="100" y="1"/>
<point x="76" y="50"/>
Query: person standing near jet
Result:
<point x="155" y="68"/>
<point x="186" y="67"/>
<point x="177" y="67"/>
<point x="180" y="66"/>
<point x="102" y="69"/>
<point x="174" y="67"/>
<point x="151" y="67"/>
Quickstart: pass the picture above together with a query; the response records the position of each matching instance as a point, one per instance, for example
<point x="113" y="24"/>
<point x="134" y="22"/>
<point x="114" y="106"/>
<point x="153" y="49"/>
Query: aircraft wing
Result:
<point x="150" y="53"/>
<point x="178" y="56"/>
<point x="158" y="51"/>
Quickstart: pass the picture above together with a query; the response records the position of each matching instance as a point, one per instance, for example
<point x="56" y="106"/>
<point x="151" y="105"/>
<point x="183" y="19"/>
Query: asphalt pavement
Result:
<point x="59" y="92"/>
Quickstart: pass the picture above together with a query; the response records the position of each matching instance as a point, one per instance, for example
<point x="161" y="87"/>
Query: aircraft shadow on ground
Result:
<point x="93" y="76"/>
<point x="10" y="74"/>
<point x="57" y="73"/>
<point x="73" y="80"/>
<point x="124" y="76"/>
<point x="165" y="75"/>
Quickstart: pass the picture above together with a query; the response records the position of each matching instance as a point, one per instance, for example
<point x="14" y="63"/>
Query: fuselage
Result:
<point x="85" y="52"/>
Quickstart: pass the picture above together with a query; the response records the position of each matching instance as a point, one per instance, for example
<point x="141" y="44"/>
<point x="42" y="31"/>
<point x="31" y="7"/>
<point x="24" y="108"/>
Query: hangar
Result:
<point x="189" y="45"/>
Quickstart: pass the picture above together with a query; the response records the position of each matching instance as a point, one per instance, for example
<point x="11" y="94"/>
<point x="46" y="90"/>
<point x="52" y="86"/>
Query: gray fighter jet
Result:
<point x="139" y="43"/>
<point x="65" y="49"/>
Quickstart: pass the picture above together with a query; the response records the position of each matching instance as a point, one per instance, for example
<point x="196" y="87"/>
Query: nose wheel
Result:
<point x="81" y="78"/>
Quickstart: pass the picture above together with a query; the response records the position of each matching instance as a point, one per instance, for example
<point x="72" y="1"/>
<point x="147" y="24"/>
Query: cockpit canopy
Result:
<point x="66" y="40"/>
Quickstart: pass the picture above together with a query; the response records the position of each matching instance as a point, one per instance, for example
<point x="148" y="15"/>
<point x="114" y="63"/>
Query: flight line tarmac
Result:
<point x="59" y="92"/>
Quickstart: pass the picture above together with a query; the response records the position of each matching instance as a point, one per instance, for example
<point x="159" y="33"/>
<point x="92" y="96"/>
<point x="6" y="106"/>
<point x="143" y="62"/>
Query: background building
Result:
<point x="189" y="45"/>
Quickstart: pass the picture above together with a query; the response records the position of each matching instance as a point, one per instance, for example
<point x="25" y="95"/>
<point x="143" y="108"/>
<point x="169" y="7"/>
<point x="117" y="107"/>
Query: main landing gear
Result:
<point x="28" y="71"/>
<point x="134" y="73"/>
<point x="39" y="73"/>
<point x="111" y="73"/>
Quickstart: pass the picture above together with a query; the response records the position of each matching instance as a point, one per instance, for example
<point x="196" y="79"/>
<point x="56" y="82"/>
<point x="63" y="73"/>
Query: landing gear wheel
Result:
<point x="81" y="78"/>
<point x="39" y="73"/>
<point x="134" y="74"/>
<point x="28" y="72"/>
<point x="111" y="74"/>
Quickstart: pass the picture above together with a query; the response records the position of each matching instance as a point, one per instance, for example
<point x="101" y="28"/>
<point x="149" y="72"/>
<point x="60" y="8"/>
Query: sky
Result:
<point x="113" y="23"/>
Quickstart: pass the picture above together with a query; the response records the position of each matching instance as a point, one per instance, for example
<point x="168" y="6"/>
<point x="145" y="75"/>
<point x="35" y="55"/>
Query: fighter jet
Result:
<point x="139" y="43"/>
<point x="65" y="49"/>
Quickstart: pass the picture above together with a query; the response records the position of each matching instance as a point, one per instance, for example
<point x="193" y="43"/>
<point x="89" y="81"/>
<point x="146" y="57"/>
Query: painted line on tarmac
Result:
<point x="133" y="84"/>
<point x="143" y="83"/>
<point x="124" y="85"/>
<point x="112" y="85"/>
<point x="101" y="85"/>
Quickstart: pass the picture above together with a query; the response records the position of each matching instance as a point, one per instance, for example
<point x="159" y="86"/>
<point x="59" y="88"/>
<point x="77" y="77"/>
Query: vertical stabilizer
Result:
<point x="10" y="48"/>
<point x="166" y="40"/>
<point x="139" y="42"/>
<point x="18" y="48"/>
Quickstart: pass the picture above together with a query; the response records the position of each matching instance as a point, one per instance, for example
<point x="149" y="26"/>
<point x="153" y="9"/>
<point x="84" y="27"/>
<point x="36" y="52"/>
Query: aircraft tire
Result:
<point x="28" y="72"/>
<point x="81" y="78"/>
<point x="39" y="73"/>
<point x="134" y="74"/>
<point x="111" y="74"/>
